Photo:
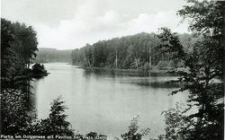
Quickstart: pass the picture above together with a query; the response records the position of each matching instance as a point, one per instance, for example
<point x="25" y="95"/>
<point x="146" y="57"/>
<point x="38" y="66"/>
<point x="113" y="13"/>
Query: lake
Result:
<point x="105" y="101"/>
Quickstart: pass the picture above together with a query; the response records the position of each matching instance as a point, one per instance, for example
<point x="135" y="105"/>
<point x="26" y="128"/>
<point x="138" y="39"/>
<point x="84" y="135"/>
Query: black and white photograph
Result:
<point x="112" y="69"/>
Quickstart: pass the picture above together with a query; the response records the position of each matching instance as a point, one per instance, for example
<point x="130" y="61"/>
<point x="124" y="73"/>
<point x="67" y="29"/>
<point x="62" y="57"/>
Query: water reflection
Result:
<point x="130" y="73"/>
<point x="154" y="80"/>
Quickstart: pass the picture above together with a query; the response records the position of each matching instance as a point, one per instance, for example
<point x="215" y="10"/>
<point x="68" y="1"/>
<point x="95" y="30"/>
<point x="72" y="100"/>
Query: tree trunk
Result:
<point x="136" y="62"/>
<point x="150" y="59"/>
<point x="89" y="63"/>
<point x="116" y="60"/>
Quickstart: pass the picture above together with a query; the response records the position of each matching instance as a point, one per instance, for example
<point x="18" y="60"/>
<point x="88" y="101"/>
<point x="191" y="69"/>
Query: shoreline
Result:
<point x="126" y="70"/>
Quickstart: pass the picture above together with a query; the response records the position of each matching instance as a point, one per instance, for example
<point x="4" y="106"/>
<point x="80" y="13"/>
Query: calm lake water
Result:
<point x="103" y="101"/>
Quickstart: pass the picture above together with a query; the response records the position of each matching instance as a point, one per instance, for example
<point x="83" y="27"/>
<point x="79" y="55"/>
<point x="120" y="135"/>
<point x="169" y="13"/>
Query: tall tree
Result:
<point x="133" y="133"/>
<point x="25" y="43"/>
<point x="56" y="124"/>
<point x="15" y="75"/>
<point x="203" y="65"/>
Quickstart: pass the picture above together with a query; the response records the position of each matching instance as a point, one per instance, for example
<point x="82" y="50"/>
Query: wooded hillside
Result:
<point x="138" y="51"/>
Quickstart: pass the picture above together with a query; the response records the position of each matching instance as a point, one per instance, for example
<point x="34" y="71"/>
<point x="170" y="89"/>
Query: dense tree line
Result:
<point x="18" y="50"/>
<point x="18" y="46"/>
<point x="45" y="55"/>
<point x="134" y="132"/>
<point x="130" y="52"/>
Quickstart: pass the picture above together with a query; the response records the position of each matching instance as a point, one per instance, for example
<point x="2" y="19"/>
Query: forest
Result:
<point x="140" y="52"/>
<point x="201" y="54"/>
<point x="18" y="117"/>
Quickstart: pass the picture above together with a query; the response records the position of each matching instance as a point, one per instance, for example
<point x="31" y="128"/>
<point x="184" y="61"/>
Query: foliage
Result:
<point x="176" y="123"/>
<point x="90" y="136"/>
<point x="56" y="123"/>
<point x="38" y="70"/>
<point x="133" y="133"/>
<point x="138" y="51"/>
<point x="203" y="65"/>
<point x="14" y="113"/>
<point x="18" y="47"/>
<point x="24" y="43"/>
<point x="6" y="38"/>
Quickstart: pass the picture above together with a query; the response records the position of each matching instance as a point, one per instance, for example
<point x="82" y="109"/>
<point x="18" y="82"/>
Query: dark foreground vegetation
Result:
<point x="18" y="47"/>
<point x="203" y="63"/>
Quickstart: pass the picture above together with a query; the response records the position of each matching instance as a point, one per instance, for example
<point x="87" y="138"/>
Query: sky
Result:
<point x="70" y="24"/>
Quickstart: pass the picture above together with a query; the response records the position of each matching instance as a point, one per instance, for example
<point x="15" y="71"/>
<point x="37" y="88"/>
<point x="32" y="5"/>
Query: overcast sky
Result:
<point x="69" y="24"/>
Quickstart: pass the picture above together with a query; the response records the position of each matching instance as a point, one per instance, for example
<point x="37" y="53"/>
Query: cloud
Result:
<point x="146" y="22"/>
<point x="73" y="23"/>
<point x="89" y="27"/>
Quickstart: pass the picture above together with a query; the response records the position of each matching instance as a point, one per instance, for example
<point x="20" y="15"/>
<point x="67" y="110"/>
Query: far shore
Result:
<point x="153" y="71"/>
<point x="128" y="70"/>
